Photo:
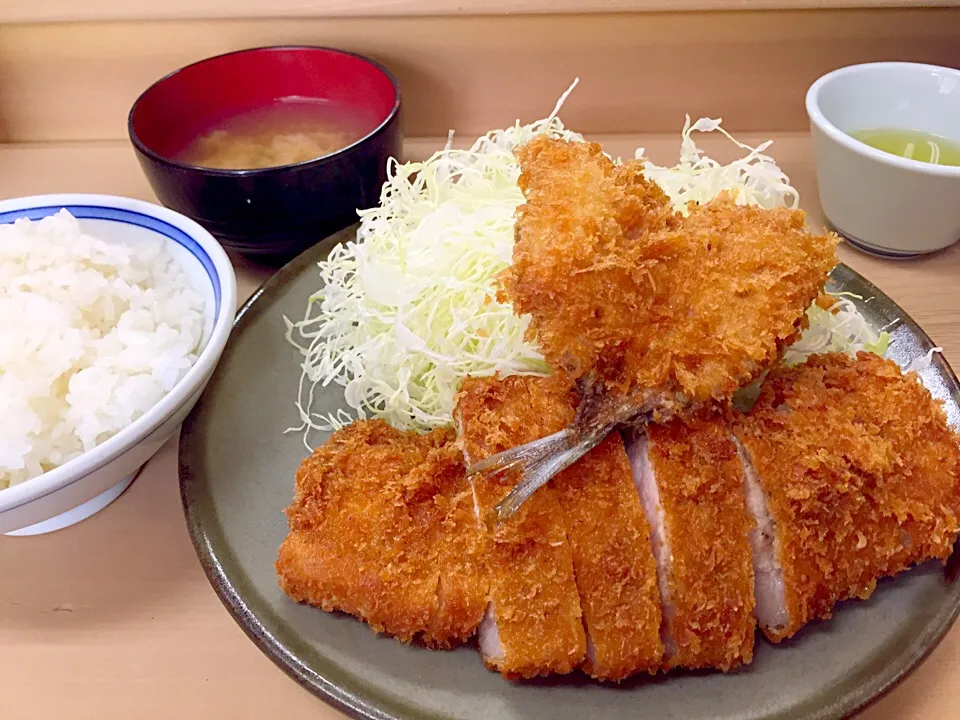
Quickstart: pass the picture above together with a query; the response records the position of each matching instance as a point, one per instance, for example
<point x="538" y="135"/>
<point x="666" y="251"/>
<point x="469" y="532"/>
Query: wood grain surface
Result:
<point x="113" y="618"/>
<point x="638" y="71"/>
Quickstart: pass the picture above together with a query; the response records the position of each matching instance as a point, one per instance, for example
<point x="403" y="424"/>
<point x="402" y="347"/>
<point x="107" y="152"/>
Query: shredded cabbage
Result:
<point x="755" y="178"/>
<point x="922" y="362"/>
<point x="839" y="328"/>
<point x="409" y="308"/>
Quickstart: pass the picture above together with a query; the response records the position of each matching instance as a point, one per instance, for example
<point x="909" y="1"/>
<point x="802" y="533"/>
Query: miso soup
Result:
<point x="285" y="132"/>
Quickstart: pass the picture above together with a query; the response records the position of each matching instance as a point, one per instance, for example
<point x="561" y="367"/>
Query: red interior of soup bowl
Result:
<point x="190" y="101"/>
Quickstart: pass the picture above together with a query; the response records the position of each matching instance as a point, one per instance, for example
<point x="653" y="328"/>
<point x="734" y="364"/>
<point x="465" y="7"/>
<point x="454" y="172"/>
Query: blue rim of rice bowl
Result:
<point x="128" y="217"/>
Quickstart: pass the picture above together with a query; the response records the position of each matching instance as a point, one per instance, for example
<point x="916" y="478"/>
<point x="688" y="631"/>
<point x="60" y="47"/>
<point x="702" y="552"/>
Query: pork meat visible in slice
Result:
<point x="604" y="525"/>
<point x="691" y="485"/>
<point x="645" y="481"/>
<point x="613" y="558"/>
<point x="860" y="474"/>
<point x="533" y="625"/>
<point x="771" y="610"/>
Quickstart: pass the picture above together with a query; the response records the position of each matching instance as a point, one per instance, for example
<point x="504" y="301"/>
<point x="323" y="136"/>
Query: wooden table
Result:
<point x="113" y="618"/>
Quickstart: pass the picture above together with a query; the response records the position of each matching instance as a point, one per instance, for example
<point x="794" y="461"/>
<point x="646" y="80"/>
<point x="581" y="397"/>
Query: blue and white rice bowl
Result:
<point x="87" y="483"/>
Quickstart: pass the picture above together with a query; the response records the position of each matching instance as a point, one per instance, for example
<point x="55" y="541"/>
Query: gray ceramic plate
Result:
<point x="236" y="475"/>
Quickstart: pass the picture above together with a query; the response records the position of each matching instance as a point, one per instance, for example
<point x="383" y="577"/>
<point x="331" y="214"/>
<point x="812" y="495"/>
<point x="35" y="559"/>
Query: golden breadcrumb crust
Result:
<point x="532" y="588"/>
<point x="382" y="527"/>
<point x="460" y="543"/>
<point x="860" y="471"/>
<point x="599" y="507"/>
<point x="700" y="483"/>
<point x="616" y="570"/>
<point x="622" y="290"/>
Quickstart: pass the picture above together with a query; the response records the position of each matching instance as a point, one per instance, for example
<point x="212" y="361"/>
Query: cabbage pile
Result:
<point x="410" y="308"/>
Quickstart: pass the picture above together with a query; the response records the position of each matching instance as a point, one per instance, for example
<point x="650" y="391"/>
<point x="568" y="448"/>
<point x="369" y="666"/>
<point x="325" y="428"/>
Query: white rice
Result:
<point x="92" y="335"/>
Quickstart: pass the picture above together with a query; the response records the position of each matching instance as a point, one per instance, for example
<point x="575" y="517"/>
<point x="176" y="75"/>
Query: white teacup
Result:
<point x="884" y="203"/>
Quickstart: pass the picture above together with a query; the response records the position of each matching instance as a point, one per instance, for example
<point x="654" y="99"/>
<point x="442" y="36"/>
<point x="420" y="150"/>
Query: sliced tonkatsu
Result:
<point x="533" y="623"/>
<point x="691" y="484"/>
<point x="382" y="527"/>
<point x="665" y="552"/>
<point x="616" y="571"/>
<point x="596" y="521"/>
<point x="852" y="475"/>
<point x="460" y="544"/>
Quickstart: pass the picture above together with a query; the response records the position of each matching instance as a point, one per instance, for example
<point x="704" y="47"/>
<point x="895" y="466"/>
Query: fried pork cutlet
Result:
<point x="533" y="623"/>
<point x="595" y="520"/>
<point x="852" y="475"/>
<point x="382" y="527"/>
<point x="691" y="484"/>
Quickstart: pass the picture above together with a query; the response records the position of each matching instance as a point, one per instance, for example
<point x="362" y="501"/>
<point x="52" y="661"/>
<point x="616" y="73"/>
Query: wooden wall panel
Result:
<point x="75" y="10"/>
<point x="639" y="72"/>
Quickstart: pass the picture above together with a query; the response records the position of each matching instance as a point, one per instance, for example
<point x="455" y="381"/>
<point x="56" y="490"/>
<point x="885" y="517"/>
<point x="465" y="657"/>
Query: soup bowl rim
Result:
<point x="143" y="148"/>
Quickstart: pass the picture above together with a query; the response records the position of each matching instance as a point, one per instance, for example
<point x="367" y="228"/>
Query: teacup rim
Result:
<point x="818" y="118"/>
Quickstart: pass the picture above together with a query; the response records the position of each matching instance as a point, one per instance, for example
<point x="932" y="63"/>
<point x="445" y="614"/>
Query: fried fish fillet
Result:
<point x="647" y="313"/>
<point x="642" y="303"/>
<point x="382" y="527"/>
<point x="852" y="475"/>
<point x="691" y="483"/>
<point x="595" y="517"/>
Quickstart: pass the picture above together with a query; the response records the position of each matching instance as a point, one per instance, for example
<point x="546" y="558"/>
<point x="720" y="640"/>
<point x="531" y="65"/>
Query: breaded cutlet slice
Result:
<point x="615" y="573"/>
<point x="378" y="530"/>
<point x="691" y="483"/>
<point x="533" y="623"/>
<point x="615" y="568"/>
<point x="855" y="477"/>
<point x="460" y="543"/>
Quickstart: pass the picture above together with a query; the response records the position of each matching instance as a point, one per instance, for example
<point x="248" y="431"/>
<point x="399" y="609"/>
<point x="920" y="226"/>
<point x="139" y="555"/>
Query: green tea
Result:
<point x="912" y="144"/>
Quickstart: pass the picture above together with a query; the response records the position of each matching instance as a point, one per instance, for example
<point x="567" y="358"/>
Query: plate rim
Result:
<point x="353" y="704"/>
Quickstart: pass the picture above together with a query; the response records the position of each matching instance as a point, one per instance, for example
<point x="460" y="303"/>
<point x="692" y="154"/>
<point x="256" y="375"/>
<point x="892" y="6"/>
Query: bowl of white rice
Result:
<point x="113" y="315"/>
